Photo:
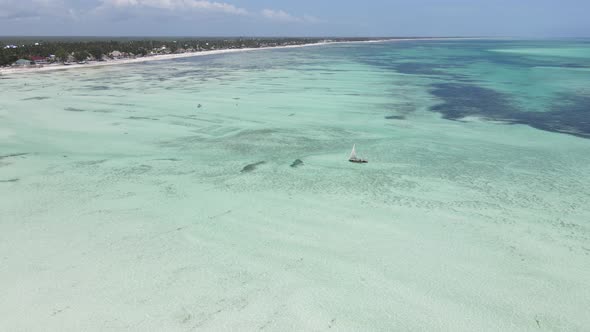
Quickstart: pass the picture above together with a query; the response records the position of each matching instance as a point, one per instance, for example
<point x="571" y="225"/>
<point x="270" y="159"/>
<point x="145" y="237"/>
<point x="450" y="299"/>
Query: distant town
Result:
<point x="31" y="53"/>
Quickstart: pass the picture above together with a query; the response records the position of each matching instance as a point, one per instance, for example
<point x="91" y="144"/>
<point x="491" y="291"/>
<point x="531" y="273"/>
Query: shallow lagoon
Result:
<point x="161" y="196"/>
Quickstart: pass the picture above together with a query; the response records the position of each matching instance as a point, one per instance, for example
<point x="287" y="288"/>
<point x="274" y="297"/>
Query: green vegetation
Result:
<point x="80" y="49"/>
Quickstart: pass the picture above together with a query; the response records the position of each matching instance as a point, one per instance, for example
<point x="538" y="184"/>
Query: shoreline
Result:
<point x="55" y="67"/>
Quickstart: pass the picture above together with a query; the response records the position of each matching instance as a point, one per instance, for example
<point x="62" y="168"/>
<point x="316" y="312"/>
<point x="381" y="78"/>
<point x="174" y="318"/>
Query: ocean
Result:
<point x="214" y="193"/>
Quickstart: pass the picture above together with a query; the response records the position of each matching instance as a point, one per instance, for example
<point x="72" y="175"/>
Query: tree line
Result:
<point x="97" y="49"/>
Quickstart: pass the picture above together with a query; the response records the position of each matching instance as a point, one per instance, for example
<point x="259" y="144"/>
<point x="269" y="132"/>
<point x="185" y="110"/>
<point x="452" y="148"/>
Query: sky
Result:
<point x="508" y="18"/>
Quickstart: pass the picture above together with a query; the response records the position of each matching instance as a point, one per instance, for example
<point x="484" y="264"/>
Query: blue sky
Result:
<point x="526" y="18"/>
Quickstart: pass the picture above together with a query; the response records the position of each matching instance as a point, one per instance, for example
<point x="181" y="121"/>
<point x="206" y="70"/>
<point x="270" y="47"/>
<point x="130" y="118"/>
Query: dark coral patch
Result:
<point x="251" y="167"/>
<point x="297" y="163"/>
<point x="569" y="115"/>
<point x="395" y="117"/>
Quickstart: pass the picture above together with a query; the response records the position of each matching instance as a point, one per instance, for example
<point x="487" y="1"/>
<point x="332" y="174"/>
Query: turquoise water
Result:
<point x="166" y="195"/>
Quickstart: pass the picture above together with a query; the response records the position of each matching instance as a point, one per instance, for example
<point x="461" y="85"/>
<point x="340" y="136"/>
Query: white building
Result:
<point x="116" y="54"/>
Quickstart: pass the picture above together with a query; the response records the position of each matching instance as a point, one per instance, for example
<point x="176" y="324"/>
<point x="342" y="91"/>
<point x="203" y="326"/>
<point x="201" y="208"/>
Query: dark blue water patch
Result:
<point x="465" y="79"/>
<point x="528" y="61"/>
<point x="570" y="114"/>
<point x="461" y="100"/>
<point x="416" y="68"/>
<point x="573" y="65"/>
<point x="462" y="60"/>
<point x="513" y="60"/>
<point x="251" y="167"/>
<point x="436" y="58"/>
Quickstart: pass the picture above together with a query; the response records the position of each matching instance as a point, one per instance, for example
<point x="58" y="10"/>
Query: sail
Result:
<point x="353" y="153"/>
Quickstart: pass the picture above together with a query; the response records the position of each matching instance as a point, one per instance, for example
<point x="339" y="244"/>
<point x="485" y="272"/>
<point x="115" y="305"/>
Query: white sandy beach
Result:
<point x="52" y="67"/>
<point x="18" y="70"/>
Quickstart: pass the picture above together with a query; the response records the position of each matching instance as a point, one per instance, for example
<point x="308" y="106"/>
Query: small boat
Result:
<point x="354" y="159"/>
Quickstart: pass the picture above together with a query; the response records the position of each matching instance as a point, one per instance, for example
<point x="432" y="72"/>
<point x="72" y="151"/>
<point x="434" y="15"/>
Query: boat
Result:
<point x="353" y="157"/>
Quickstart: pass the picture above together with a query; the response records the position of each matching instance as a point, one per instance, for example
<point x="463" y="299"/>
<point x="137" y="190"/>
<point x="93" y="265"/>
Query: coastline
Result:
<point x="126" y="206"/>
<point x="53" y="67"/>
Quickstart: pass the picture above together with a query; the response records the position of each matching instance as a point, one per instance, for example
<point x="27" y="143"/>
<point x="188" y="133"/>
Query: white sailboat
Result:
<point x="354" y="158"/>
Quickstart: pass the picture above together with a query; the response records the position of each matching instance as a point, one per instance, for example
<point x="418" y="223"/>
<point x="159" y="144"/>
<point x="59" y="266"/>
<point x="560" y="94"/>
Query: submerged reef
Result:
<point x="568" y="115"/>
<point x="252" y="167"/>
<point x="297" y="163"/>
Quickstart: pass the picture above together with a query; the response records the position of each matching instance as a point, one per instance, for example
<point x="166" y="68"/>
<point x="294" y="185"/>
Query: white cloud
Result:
<point x="180" y="6"/>
<point x="278" y="15"/>
<point x="311" y="19"/>
<point x="283" y="16"/>
<point x="33" y="9"/>
<point x="172" y="5"/>
<point x="123" y="9"/>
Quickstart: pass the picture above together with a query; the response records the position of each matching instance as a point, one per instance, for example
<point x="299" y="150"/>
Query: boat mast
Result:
<point x="353" y="153"/>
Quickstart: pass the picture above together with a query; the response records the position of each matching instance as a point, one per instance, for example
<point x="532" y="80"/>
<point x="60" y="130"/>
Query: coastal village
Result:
<point x="71" y="58"/>
<point x="39" y="54"/>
